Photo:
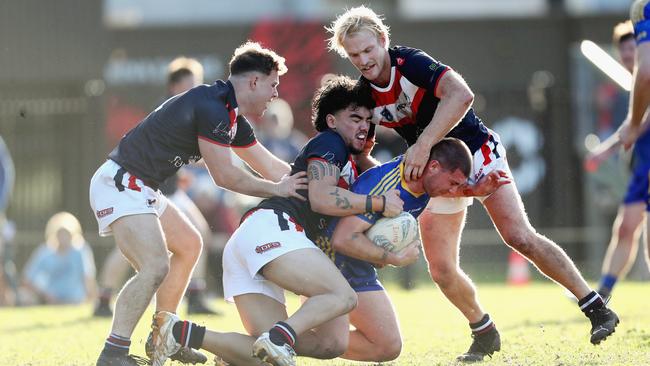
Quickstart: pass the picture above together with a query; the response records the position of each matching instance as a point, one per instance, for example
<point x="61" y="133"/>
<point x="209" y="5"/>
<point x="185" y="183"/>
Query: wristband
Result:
<point x="383" y="206"/>
<point x="369" y="203"/>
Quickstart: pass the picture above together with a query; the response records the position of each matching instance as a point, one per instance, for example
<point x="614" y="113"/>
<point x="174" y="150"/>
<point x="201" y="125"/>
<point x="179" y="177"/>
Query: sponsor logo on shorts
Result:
<point x="151" y="202"/>
<point x="104" y="212"/>
<point x="266" y="247"/>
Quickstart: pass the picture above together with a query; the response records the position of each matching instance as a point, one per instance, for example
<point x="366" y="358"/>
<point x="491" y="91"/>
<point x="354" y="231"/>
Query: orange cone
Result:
<point x="518" y="270"/>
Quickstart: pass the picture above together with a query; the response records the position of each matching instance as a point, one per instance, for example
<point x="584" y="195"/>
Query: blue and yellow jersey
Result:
<point x="640" y="16"/>
<point x="377" y="181"/>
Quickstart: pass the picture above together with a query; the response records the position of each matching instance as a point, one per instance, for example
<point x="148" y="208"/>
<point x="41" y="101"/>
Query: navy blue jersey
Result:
<point x="168" y="137"/>
<point x="327" y="146"/>
<point x="408" y="102"/>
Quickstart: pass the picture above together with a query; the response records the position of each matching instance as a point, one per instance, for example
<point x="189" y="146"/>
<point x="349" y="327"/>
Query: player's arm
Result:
<point x="327" y="198"/>
<point x="261" y="160"/>
<point x="455" y="100"/>
<point x="218" y="160"/>
<point x="640" y="98"/>
<point x="485" y="186"/>
<point x="349" y="239"/>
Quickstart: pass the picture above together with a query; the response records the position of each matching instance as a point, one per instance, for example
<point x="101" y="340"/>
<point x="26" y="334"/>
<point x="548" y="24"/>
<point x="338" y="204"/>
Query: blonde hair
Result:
<point x="353" y="21"/>
<point x="251" y="56"/>
<point x="67" y="221"/>
<point x="183" y="66"/>
<point x="622" y="30"/>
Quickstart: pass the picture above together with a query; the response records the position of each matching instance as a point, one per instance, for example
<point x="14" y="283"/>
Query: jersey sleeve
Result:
<point x="329" y="147"/>
<point x="640" y="17"/>
<point x="245" y="136"/>
<point x="420" y="68"/>
<point x="215" y="124"/>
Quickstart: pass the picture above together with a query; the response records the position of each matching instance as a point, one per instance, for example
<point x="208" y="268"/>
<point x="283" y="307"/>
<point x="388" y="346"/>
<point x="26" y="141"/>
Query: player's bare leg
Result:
<point x="507" y="212"/>
<point x="377" y="337"/>
<point x="623" y="245"/>
<point x="184" y="241"/>
<point x="141" y="240"/>
<point x="440" y="234"/>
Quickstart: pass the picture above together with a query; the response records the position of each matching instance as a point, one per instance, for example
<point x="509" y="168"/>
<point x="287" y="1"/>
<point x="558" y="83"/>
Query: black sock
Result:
<point x="590" y="303"/>
<point x="116" y="344"/>
<point x="483" y="325"/>
<point x="188" y="334"/>
<point x="282" y="333"/>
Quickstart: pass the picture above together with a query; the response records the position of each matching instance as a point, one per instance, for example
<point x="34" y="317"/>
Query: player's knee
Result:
<point x="390" y="351"/>
<point x="157" y="270"/>
<point x="443" y="273"/>
<point x="523" y="241"/>
<point x="331" y="348"/>
<point x="626" y="230"/>
<point x="347" y="300"/>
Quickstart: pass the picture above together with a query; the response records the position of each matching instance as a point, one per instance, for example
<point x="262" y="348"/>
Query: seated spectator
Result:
<point x="61" y="270"/>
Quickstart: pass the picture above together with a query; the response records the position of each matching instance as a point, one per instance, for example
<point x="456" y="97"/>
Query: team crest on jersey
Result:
<point x="266" y="247"/>
<point x="400" y="61"/>
<point x="387" y="115"/>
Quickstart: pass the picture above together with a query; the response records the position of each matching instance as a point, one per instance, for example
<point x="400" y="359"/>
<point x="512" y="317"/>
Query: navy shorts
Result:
<point x="361" y="275"/>
<point x="637" y="188"/>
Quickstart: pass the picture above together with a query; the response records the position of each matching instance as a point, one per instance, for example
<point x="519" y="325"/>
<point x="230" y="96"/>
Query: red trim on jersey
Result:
<point x="402" y="122"/>
<point x="244" y="146"/>
<point x="233" y="117"/>
<point x="354" y="167"/>
<point x="133" y="185"/>
<point x="435" y="86"/>
<point x="184" y="333"/>
<point x="212" y="141"/>
<point x="485" y="149"/>
<point x="417" y="99"/>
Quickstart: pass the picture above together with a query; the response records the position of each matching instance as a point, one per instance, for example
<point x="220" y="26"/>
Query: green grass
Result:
<point x="538" y="325"/>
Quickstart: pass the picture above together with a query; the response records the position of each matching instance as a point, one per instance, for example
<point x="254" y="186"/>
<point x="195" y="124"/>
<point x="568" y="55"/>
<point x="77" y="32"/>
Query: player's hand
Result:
<point x="415" y="159"/>
<point x="406" y="256"/>
<point x="628" y="135"/>
<point x="489" y="183"/>
<point x="368" y="146"/>
<point x="394" y="204"/>
<point x="289" y="185"/>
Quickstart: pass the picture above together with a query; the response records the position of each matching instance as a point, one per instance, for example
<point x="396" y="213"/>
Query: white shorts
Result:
<point x="115" y="193"/>
<point x="491" y="156"/>
<point x="258" y="241"/>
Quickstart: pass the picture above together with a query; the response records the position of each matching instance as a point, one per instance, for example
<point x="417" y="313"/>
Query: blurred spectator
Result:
<point x="275" y="131"/>
<point x="61" y="270"/>
<point x="7" y="229"/>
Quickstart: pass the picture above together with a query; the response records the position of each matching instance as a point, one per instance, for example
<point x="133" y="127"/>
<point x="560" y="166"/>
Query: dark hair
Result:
<point x="178" y="75"/>
<point x="622" y="32"/>
<point x="452" y="154"/>
<point x="337" y="94"/>
<point x="251" y="56"/>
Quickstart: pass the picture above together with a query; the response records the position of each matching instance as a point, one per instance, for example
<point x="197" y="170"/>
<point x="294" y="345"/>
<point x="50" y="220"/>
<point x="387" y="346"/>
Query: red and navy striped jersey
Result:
<point x="329" y="147"/>
<point x="408" y="103"/>
<point x="168" y="137"/>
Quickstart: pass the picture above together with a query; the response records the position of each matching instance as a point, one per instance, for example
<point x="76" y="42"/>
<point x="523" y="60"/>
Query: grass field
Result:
<point x="538" y="325"/>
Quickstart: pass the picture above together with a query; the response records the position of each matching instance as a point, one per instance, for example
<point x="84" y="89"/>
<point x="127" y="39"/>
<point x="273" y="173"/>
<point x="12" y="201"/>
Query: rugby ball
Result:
<point x="394" y="233"/>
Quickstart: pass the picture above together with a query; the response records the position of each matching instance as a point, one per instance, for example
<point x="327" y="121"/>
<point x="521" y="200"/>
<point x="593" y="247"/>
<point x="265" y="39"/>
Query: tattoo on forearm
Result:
<point x="318" y="169"/>
<point x="341" y="202"/>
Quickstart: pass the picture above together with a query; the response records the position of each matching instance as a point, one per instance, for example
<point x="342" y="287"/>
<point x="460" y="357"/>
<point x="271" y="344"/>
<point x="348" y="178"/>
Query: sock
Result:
<point x="116" y="344"/>
<point x="607" y="283"/>
<point x="590" y="303"/>
<point x="282" y="333"/>
<point x="188" y="334"/>
<point x="483" y="325"/>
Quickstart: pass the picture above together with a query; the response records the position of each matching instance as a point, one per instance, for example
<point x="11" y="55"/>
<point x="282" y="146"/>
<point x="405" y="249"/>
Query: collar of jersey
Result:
<point x="403" y="181"/>
<point x="390" y="82"/>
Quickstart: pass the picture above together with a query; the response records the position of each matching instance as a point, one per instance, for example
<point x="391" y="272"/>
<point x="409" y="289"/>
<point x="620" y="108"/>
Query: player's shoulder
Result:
<point x="639" y="10"/>
<point x="328" y="145"/>
<point x="378" y="172"/>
